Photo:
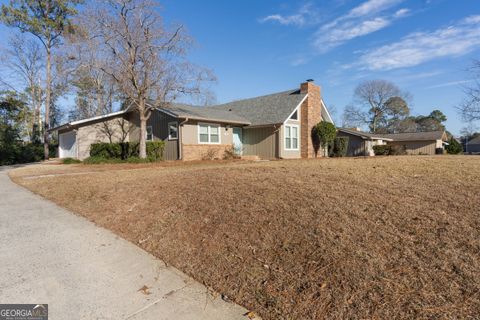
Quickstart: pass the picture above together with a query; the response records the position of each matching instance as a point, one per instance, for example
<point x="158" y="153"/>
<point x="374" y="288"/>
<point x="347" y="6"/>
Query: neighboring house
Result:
<point x="472" y="145"/>
<point x="361" y="143"/>
<point x="273" y="126"/>
<point x="419" y="142"/>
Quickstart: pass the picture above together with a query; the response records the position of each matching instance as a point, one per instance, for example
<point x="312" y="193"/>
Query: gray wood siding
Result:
<point x="262" y="142"/>
<point x="417" y="147"/>
<point x="159" y="122"/>
<point x="356" y="145"/>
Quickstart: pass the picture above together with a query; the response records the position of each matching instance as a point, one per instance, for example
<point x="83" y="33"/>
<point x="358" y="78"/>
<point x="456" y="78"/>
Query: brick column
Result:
<point x="310" y="116"/>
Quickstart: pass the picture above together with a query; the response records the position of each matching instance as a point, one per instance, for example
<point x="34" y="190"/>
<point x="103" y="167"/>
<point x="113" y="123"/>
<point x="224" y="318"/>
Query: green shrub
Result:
<point x="453" y="147"/>
<point x="124" y="152"/>
<point x="323" y="135"/>
<point x="389" y="150"/>
<point x="340" y="147"/>
<point x="155" y="150"/>
<point x="70" y="161"/>
<point x="127" y="150"/>
<point x="381" y="150"/>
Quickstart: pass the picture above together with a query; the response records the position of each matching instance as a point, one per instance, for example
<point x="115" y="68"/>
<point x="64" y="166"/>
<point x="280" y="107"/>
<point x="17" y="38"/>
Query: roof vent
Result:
<point x="310" y="80"/>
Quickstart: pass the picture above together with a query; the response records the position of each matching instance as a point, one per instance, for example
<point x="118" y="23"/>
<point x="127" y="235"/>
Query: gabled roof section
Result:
<point x="417" y="136"/>
<point x="202" y="113"/>
<point x="365" y="135"/>
<point x="475" y="140"/>
<point x="265" y="110"/>
<point x="90" y="120"/>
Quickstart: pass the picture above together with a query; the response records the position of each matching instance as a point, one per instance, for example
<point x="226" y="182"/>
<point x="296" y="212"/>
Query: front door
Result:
<point x="237" y="141"/>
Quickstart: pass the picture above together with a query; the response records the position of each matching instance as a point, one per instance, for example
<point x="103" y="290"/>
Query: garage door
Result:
<point x="67" y="144"/>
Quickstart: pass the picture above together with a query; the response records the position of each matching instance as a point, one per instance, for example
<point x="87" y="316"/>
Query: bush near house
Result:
<point x="389" y="150"/>
<point x="124" y="151"/>
<point x="340" y="147"/>
<point x="453" y="147"/>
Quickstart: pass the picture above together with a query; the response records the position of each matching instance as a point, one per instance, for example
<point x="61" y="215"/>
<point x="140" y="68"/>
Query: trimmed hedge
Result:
<point x="126" y="150"/>
<point x="389" y="150"/>
<point x="340" y="147"/>
<point x="23" y="153"/>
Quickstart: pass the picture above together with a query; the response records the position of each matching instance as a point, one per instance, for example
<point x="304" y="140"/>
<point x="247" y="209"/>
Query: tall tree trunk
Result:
<point x="143" y="130"/>
<point x="47" y="104"/>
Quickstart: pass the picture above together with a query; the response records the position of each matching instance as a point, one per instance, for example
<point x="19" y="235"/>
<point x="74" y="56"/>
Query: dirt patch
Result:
<point x="393" y="237"/>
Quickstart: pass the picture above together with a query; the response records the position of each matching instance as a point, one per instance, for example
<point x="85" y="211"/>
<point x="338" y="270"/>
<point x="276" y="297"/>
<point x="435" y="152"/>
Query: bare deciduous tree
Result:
<point x="23" y="65"/>
<point x="470" y="108"/>
<point x="373" y="96"/>
<point x="146" y="61"/>
<point x="94" y="89"/>
<point x="47" y="20"/>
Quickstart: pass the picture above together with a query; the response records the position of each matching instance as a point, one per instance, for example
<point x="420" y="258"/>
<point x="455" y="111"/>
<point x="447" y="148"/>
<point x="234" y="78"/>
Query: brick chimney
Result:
<point x="310" y="115"/>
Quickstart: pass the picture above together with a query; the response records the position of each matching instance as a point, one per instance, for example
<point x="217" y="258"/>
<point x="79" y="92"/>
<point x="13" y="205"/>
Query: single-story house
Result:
<point x="472" y="145"/>
<point x="419" y="142"/>
<point x="273" y="126"/>
<point x="361" y="143"/>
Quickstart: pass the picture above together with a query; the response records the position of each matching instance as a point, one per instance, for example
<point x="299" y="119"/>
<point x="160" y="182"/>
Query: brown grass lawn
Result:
<point x="395" y="237"/>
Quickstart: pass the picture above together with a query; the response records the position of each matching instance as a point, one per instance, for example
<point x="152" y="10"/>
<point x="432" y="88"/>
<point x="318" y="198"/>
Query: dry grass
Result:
<point x="395" y="237"/>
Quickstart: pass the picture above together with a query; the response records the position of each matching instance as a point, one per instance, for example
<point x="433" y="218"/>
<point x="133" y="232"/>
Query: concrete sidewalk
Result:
<point x="49" y="255"/>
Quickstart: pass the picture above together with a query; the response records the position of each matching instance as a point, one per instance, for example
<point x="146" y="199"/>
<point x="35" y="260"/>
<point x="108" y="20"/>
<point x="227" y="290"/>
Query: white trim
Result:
<point x="209" y="125"/>
<point x="146" y="133"/>
<point x="328" y="113"/>
<point x="285" y="137"/>
<point x="297" y="107"/>
<point x="168" y="128"/>
<point x="73" y="123"/>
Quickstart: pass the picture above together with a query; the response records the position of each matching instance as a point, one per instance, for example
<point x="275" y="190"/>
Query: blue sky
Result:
<point x="260" y="47"/>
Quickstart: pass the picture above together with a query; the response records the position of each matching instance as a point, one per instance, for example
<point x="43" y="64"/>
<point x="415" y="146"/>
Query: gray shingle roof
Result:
<point x="265" y="110"/>
<point x="364" y="135"/>
<point x="475" y="140"/>
<point x="416" y="136"/>
<point x="203" y="113"/>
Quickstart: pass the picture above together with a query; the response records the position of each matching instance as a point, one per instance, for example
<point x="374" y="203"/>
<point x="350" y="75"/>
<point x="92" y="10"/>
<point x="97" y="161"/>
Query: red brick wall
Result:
<point x="204" y="151"/>
<point x="310" y="116"/>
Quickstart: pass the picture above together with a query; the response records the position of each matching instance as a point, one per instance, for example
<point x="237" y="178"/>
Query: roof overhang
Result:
<point x="173" y="114"/>
<point x="74" y="124"/>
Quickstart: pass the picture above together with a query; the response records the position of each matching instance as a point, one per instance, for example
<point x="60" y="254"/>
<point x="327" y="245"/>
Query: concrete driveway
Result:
<point x="49" y="255"/>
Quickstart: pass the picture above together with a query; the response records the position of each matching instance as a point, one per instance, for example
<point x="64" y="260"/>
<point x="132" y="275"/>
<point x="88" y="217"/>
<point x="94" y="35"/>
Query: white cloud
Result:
<point x="305" y="15"/>
<point x="294" y="19"/>
<point x="337" y="36"/>
<point x="449" y="84"/>
<point x="371" y="7"/>
<point x="419" y="47"/>
<point x="401" y="13"/>
<point x="359" y="21"/>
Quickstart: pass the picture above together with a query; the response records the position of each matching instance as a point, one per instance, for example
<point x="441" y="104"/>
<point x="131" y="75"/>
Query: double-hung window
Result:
<point x="172" y="130"/>
<point x="149" y="136"/>
<point x="208" y="133"/>
<point x="291" y="137"/>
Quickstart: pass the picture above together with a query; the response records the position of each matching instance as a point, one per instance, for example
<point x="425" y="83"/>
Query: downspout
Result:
<point x="180" y="138"/>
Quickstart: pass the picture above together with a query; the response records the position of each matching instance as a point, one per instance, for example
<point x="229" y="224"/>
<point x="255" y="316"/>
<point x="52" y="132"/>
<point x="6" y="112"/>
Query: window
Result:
<point x="294" y="116"/>
<point x="172" y="131"/>
<point x="208" y="133"/>
<point x="149" y="133"/>
<point x="291" y="137"/>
